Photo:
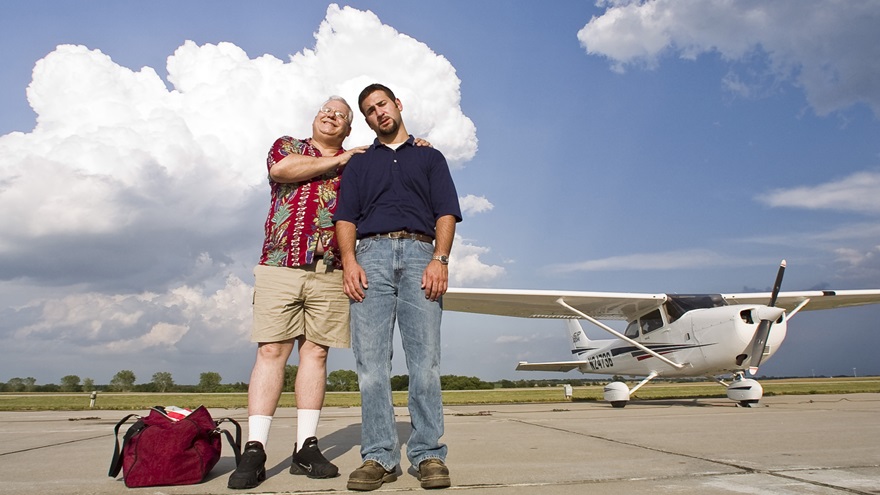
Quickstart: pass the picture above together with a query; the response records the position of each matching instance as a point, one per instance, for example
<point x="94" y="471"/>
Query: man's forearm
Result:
<point x="298" y="168"/>
<point x="346" y="237"/>
<point x="444" y="232"/>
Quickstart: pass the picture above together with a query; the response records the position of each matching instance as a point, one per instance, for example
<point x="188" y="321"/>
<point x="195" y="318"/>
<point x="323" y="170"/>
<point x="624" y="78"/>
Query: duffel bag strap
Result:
<point x="234" y="443"/>
<point x="116" y="462"/>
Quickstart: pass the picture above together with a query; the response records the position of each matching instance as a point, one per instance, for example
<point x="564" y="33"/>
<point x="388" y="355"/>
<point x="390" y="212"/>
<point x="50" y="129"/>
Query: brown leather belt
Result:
<point x="402" y="234"/>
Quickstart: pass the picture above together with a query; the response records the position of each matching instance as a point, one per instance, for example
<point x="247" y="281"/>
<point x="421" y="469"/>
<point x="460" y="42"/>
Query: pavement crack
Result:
<point x="744" y="469"/>
<point x="39" y="447"/>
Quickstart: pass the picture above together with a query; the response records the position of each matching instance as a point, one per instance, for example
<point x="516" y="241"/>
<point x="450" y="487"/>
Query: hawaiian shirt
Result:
<point x="301" y="213"/>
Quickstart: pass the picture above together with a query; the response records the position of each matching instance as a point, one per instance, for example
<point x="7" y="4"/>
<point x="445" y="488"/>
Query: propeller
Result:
<point x="759" y="341"/>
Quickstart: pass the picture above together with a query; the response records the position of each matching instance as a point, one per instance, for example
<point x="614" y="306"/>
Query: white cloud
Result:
<point x="859" y="192"/>
<point x="513" y="339"/>
<point x="146" y="201"/>
<point x="465" y="266"/>
<point x="671" y="260"/>
<point x="829" y="48"/>
<point x="471" y="205"/>
<point x="103" y="323"/>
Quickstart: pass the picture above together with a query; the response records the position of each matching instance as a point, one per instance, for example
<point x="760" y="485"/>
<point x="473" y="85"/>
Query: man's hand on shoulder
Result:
<point x="345" y="157"/>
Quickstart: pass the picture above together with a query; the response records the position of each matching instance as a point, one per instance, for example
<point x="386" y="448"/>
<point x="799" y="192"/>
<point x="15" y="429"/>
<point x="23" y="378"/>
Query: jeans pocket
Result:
<point x="425" y="247"/>
<point x="363" y="245"/>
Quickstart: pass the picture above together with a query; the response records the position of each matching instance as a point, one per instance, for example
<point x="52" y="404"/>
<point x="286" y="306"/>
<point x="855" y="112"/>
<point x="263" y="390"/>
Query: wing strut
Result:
<point x="647" y="379"/>
<point x="797" y="308"/>
<point x="619" y="335"/>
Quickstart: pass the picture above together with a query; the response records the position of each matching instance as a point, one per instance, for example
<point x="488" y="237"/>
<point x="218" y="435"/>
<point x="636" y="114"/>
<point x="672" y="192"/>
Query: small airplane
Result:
<point x="670" y="335"/>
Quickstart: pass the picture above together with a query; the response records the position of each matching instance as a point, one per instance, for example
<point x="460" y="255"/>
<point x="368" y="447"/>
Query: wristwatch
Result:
<point x="443" y="259"/>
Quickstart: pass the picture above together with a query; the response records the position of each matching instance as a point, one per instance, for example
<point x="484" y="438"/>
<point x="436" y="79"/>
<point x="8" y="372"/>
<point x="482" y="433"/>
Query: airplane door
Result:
<point x="677" y="340"/>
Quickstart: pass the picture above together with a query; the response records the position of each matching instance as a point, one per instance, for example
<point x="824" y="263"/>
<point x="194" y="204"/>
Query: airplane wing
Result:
<point x="542" y="303"/>
<point x="627" y="305"/>
<point x="557" y="366"/>
<point x="819" y="299"/>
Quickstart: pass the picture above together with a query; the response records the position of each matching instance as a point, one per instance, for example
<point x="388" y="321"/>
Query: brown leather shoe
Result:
<point x="370" y="476"/>
<point x="433" y="473"/>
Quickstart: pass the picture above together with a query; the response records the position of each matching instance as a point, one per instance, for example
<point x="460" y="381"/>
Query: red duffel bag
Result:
<point x="160" y="450"/>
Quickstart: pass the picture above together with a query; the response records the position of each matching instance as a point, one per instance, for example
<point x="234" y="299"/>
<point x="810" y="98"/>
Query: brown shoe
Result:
<point x="433" y="473"/>
<point x="370" y="476"/>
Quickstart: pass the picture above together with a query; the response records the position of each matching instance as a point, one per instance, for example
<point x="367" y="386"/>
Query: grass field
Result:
<point x="138" y="401"/>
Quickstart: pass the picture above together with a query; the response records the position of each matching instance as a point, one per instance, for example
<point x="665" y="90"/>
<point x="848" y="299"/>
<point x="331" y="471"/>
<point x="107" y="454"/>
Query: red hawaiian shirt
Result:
<point x="301" y="213"/>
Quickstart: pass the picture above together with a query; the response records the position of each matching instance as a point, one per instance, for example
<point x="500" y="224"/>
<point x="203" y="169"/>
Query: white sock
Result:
<point x="306" y="425"/>
<point x="258" y="428"/>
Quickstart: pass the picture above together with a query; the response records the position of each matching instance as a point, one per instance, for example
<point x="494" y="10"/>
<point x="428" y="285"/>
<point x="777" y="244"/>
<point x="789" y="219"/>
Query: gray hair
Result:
<point x="340" y="99"/>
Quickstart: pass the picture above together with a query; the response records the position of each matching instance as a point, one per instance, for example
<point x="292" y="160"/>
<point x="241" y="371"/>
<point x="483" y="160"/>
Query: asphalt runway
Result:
<point x="815" y="444"/>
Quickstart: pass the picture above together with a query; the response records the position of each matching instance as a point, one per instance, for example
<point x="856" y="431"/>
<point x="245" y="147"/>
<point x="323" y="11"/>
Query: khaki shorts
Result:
<point x="306" y="300"/>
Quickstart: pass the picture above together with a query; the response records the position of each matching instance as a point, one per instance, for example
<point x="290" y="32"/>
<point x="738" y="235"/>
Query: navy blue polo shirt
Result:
<point x="385" y="190"/>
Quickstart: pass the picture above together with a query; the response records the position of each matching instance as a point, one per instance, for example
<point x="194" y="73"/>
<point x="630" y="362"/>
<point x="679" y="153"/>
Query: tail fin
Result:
<point x="579" y="340"/>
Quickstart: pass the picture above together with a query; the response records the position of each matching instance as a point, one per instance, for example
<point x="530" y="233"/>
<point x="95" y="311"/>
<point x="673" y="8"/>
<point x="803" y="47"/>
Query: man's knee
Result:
<point x="310" y="351"/>
<point x="274" y="351"/>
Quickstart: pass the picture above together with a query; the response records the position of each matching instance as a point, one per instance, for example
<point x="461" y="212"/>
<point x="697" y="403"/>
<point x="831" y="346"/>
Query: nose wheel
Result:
<point x="745" y="391"/>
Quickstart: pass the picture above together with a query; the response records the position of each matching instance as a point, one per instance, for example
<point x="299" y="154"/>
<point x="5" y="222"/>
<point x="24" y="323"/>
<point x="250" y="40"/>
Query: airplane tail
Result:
<point x="579" y="344"/>
<point x="579" y="340"/>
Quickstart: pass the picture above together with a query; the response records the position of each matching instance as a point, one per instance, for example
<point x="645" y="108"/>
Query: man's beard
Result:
<point x="389" y="131"/>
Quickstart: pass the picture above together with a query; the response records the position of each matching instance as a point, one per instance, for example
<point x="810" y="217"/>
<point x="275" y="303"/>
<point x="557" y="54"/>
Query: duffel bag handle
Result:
<point x="116" y="462"/>
<point x="234" y="443"/>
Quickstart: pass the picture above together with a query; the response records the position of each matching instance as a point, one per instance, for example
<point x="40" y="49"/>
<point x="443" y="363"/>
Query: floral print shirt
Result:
<point x="301" y="213"/>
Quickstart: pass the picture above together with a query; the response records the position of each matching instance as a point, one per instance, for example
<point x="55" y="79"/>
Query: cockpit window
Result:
<point x="632" y="330"/>
<point x="647" y="323"/>
<point x="651" y="321"/>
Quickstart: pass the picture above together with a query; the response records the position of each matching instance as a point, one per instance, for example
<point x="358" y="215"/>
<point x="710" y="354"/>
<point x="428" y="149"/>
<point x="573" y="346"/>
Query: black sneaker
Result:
<point x="251" y="471"/>
<point x="310" y="462"/>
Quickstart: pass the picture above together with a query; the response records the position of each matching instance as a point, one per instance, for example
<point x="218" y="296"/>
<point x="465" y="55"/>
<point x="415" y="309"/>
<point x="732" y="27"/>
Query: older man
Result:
<point x="298" y="296"/>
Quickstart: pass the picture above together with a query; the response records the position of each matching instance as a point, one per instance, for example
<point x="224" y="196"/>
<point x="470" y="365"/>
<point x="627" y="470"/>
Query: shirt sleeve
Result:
<point x="443" y="194"/>
<point x="348" y="200"/>
<point x="282" y="147"/>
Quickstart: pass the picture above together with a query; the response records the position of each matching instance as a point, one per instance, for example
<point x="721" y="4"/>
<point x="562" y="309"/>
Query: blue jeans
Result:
<point x="394" y="270"/>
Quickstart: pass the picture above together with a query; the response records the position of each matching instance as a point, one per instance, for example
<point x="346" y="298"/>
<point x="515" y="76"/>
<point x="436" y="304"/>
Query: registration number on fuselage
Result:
<point x="600" y="361"/>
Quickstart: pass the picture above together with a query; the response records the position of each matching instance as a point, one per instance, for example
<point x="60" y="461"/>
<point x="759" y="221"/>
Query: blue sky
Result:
<point x="621" y="146"/>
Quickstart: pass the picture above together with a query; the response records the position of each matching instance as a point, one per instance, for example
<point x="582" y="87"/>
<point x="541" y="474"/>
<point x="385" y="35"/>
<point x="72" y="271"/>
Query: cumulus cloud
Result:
<point x="859" y="192"/>
<point x="471" y="205"/>
<point x="829" y="48"/>
<point x="141" y="195"/>
<point x="465" y="266"/>
<point x="104" y="323"/>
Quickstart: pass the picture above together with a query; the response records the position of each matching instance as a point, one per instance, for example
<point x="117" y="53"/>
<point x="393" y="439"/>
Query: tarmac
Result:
<point x="808" y="444"/>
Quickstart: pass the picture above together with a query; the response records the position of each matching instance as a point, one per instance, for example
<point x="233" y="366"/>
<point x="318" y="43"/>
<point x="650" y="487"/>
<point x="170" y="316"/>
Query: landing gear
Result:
<point x="616" y="393"/>
<point x="745" y="391"/>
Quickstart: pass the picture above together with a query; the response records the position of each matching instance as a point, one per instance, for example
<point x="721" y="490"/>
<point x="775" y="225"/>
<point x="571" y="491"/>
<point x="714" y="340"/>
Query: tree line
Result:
<point x="211" y="381"/>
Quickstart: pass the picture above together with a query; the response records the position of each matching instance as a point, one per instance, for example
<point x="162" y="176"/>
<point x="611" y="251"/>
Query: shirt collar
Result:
<point x="409" y="141"/>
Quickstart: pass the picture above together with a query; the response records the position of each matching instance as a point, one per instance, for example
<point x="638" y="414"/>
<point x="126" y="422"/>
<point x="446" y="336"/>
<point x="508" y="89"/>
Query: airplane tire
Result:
<point x="620" y="404"/>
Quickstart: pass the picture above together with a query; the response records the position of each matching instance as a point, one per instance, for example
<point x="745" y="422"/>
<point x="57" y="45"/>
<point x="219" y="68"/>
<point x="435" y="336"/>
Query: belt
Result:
<point x="402" y="234"/>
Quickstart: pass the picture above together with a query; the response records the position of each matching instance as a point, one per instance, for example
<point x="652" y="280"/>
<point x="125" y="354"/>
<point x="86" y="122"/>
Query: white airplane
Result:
<point x="670" y="335"/>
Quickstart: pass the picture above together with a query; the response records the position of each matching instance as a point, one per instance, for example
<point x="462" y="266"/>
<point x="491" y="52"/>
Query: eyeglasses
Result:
<point x="334" y="113"/>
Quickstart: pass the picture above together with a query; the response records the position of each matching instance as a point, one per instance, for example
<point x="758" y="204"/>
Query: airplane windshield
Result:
<point x="679" y="304"/>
